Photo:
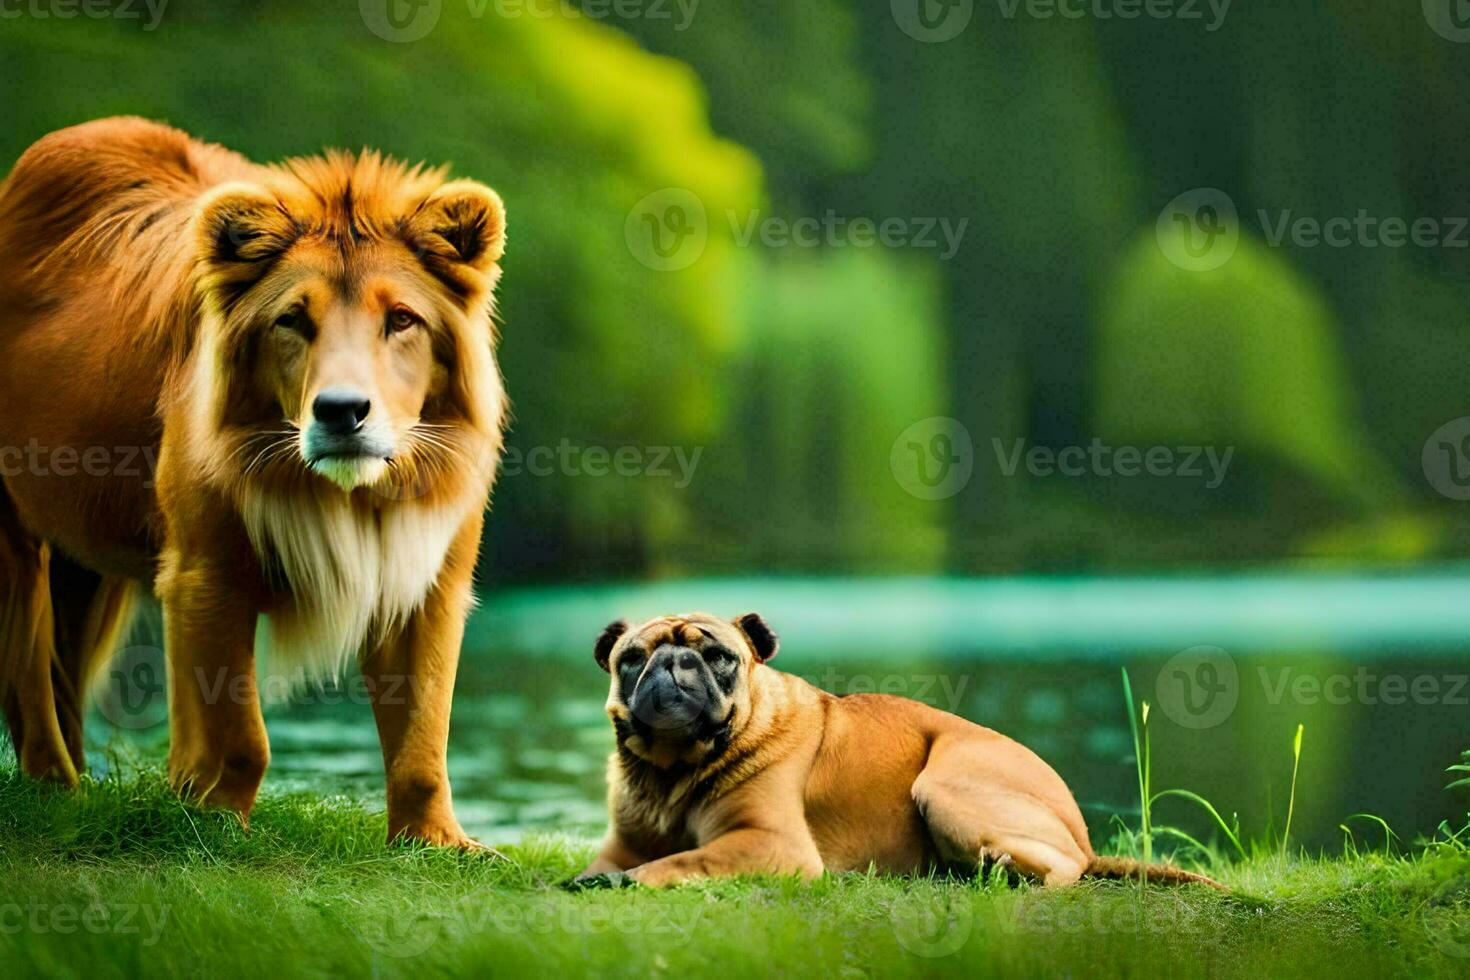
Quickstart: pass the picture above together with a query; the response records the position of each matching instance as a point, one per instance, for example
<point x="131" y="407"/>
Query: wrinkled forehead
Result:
<point x="323" y="272"/>
<point x="696" y="631"/>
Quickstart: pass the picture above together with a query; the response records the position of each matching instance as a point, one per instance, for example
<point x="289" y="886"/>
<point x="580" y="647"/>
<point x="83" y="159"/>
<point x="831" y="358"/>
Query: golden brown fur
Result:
<point x="747" y="769"/>
<point x="286" y="377"/>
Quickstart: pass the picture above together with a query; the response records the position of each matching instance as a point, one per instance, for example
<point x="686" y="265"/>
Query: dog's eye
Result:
<point x="401" y="318"/>
<point x="631" y="662"/>
<point x="290" y="320"/>
<point x="721" y="659"/>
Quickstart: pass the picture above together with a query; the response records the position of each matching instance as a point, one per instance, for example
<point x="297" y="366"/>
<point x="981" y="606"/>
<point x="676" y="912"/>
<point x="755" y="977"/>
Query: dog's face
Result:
<point x="351" y="300"/>
<point x="681" y="685"/>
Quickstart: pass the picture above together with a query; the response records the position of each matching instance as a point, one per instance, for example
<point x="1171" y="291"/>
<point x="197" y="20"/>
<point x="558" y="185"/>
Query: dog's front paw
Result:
<point x="606" y="879"/>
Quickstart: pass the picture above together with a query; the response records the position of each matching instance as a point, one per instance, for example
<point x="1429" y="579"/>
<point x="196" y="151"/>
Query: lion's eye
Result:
<point x="401" y="318"/>
<point x="290" y="320"/>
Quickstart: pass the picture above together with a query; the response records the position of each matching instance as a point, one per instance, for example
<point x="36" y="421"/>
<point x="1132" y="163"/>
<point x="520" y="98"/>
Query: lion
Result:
<point x="304" y="355"/>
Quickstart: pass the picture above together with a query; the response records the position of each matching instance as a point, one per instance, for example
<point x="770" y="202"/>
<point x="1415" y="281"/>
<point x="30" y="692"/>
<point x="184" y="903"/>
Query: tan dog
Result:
<point x="257" y="390"/>
<point x="727" y="766"/>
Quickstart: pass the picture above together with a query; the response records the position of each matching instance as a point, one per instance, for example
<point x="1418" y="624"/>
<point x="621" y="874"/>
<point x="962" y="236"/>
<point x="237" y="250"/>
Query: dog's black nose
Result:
<point x="341" y="411"/>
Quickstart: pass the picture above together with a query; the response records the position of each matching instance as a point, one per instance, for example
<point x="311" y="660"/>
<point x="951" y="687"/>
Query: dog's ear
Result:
<point x="460" y="226"/>
<point x="605" y="642"/>
<point x="243" y="224"/>
<point x="763" y="639"/>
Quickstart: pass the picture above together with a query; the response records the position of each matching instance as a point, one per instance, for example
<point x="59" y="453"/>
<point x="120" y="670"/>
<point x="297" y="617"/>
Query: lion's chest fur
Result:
<point x="353" y="571"/>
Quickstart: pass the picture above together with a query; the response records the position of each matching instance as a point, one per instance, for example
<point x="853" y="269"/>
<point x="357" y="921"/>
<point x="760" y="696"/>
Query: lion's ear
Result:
<point x="763" y="639"/>
<point x="461" y="224"/>
<point x="243" y="225"/>
<point x="609" y="638"/>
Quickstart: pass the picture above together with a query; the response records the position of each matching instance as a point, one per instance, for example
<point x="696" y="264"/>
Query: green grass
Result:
<point x="120" y="878"/>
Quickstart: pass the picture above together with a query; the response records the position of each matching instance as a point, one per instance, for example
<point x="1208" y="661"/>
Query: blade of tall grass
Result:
<point x="1210" y="809"/>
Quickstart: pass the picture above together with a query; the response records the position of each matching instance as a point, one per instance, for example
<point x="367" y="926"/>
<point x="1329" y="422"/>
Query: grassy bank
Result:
<point x="120" y="878"/>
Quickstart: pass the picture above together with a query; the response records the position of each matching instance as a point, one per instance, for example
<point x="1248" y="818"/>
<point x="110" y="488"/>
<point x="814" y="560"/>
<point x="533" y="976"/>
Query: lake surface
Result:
<point x="1375" y="667"/>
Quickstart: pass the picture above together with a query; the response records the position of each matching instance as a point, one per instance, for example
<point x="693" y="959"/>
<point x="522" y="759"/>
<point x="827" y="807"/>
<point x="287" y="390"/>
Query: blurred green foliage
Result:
<point x="792" y="370"/>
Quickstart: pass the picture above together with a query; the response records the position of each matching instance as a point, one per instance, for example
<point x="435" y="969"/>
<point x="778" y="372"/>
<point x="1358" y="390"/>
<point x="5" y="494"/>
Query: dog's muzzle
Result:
<point x="676" y="697"/>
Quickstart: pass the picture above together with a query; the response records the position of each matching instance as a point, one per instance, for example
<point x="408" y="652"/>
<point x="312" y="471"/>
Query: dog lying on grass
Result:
<point x="725" y="766"/>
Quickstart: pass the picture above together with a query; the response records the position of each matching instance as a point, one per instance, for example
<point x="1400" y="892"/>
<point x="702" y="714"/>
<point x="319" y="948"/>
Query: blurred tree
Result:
<point x="844" y="348"/>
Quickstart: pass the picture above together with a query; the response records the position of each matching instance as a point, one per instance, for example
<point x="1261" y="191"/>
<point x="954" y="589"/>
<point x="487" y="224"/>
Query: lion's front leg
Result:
<point x="410" y="678"/>
<point x="218" y="751"/>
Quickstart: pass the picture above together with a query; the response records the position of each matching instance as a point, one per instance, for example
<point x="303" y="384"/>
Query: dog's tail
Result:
<point x="1164" y="874"/>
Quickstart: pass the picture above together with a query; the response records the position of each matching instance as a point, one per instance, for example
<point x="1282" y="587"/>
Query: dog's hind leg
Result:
<point x="91" y="614"/>
<point x="984" y="800"/>
<point x="28" y="652"/>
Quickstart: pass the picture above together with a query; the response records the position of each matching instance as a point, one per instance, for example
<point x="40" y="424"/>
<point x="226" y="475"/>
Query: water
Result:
<point x="1376" y="668"/>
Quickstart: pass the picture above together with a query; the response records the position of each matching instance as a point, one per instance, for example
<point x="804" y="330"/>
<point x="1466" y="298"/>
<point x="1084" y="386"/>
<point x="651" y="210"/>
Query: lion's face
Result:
<point x="353" y="309"/>
<point x="351" y="365"/>
<point x="681" y="685"/>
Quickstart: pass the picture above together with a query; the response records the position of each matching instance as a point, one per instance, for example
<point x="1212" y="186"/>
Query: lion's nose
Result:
<point x="341" y="411"/>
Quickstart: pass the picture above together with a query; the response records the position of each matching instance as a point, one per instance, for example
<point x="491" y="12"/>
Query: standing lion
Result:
<point x="259" y="391"/>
